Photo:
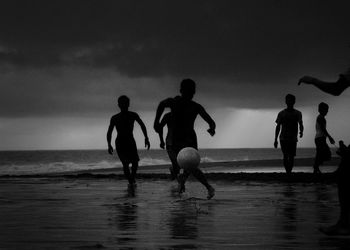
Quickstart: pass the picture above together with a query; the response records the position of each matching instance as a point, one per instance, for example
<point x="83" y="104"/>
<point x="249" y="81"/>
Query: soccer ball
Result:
<point x="188" y="158"/>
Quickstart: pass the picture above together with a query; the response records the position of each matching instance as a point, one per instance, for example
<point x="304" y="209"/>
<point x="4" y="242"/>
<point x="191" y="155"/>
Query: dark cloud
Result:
<point x="75" y="91"/>
<point x="252" y="40"/>
<point x="75" y="57"/>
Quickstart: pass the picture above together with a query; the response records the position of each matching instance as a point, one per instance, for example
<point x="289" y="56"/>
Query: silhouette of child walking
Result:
<point x="125" y="144"/>
<point x="287" y="121"/>
<point x="323" y="153"/>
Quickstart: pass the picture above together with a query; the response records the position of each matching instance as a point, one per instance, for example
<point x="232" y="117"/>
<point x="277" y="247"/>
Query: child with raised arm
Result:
<point x="125" y="144"/>
<point x="323" y="153"/>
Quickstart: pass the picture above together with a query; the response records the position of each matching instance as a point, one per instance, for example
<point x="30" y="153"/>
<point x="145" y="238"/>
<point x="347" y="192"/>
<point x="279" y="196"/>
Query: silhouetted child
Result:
<point x="125" y="144"/>
<point x="343" y="181"/>
<point x="184" y="112"/>
<point x="323" y="153"/>
<point x="287" y="122"/>
<point x="168" y="144"/>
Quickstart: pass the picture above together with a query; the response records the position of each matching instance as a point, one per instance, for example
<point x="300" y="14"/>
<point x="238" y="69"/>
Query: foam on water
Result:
<point x="206" y="159"/>
<point x="55" y="167"/>
<point x="151" y="161"/>
<point x="42" y="162"/>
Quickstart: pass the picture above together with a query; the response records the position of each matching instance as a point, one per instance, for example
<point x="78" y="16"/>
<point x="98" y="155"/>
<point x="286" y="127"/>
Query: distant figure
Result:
<point x="343" y="180"/>
<point x="125" y="144"/>
<point x="289" y="119"/>
<point x="168" y="144"/>
<point x="323" y="153"/>
<point x="184" y="112"/>
<point x="333" y="88"/>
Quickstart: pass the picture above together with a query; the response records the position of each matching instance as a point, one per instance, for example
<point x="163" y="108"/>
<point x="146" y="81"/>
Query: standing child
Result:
<point x="287" y="123"/>
<point x="323" y="153"/>
<point x="125" y="144"/>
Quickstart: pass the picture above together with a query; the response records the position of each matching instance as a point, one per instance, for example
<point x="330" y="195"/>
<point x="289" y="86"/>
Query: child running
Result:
<point x="125" y="144"/>
<point x="184" y="112"/>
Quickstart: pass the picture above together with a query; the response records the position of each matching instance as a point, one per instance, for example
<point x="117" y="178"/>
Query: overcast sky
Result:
<point x="64" y="63"/>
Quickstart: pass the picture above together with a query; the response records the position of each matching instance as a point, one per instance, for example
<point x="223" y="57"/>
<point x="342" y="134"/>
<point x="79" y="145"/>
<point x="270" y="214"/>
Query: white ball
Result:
<point x="188" y="158"/>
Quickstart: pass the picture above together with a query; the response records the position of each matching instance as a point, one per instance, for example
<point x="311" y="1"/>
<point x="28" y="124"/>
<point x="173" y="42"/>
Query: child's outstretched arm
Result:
<point x="206" y="117"/>
<point x="333" y="88"/>
<point x="160" y="109"/>
<point x="301" y="128"/>
<point x="144" y="131"/>
<point x="163" y="122"/>
<point x="277" y="132"/>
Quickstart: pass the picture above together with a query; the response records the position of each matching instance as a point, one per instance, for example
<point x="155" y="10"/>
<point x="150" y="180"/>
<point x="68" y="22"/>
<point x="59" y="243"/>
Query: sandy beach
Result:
<point x="97" y="211"/>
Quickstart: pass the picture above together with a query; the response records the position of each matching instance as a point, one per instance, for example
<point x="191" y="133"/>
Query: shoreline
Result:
<point x="300" y="177"/>
<point x="251" y="170"/>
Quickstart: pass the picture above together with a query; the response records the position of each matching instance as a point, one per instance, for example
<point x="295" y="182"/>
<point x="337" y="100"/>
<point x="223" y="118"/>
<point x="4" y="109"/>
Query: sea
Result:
<point x="64" y="161"/>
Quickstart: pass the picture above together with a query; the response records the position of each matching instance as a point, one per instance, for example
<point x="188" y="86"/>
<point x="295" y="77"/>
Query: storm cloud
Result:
<point x="70" y="57"/>
<point x="64" y="63"/>
<point x="257" y="41"/>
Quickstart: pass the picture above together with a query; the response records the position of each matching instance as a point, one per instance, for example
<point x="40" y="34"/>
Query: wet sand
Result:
<point x="100" y="213"/>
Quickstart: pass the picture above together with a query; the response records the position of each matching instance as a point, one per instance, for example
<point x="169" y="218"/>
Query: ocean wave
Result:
<point x="68" y="166"/>
<point x="148" y="161"/>
<point x="55" y="167"/>
<point x="207" y="159"/>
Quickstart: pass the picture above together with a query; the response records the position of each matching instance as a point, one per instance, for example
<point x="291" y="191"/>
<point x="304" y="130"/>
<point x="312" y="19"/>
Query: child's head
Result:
<point x="123" y="102"/>
<point x="188" y="88"/>
<point x="323" y="108"/>
<point x="290" y="100"/>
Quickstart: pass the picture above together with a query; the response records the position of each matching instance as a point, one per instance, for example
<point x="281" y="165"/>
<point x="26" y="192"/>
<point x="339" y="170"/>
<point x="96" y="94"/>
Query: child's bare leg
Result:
<point x="134" y="168"/>
<point x="202" y="179"/>
<point x="316" y="166"/>
<point x="174" y="169"/>
<point x="290" y="163"/>
<point x="182" y="178"/>
<point x="286" y="163"/>
<point x="127" y="172"/>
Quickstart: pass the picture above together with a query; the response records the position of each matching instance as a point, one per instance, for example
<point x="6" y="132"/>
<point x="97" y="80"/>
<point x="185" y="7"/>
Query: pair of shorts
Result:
<point x="323" y="153"/>
<point x="127" y="150"/>
<point x="288" y="147"/>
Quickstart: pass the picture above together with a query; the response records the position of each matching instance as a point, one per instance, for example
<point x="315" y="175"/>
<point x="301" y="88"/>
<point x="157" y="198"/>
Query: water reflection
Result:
<point x="288" y="220"/>
<point x="126" y="215"/>
<point x="323" y="197"/>
<point x="336" y="243"/>
<point x="183" y="223"/>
